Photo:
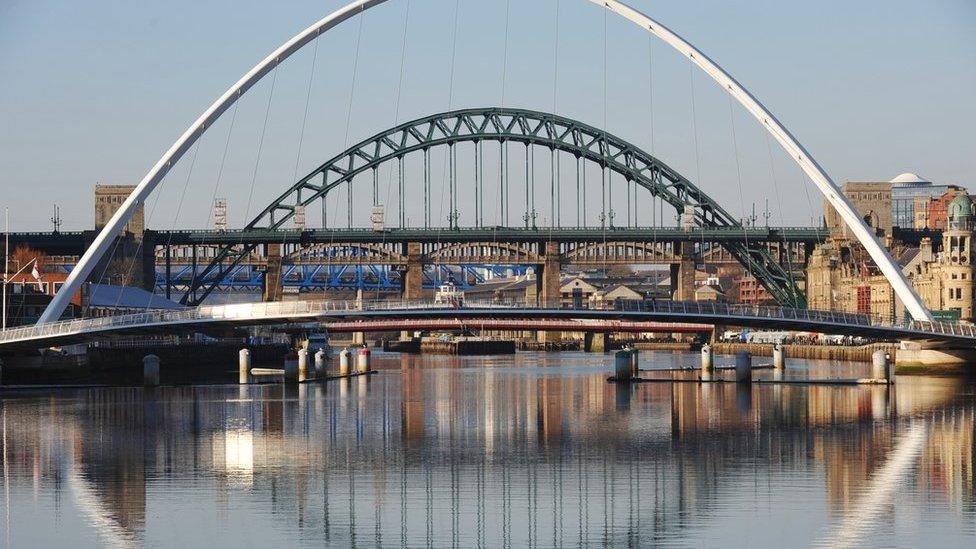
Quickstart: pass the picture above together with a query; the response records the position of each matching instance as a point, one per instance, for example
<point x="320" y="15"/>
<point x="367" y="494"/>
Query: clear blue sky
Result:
<point x="96" y="91"/>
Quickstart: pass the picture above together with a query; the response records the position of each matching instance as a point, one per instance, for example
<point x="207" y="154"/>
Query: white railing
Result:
<point x="298" y="309"/>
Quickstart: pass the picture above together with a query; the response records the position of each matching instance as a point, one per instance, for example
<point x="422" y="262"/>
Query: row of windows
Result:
<point x="870" y="196"/>
<point x="112" y="199"/>
<point x="955" y="293"/>
<point x="42" y="287"/>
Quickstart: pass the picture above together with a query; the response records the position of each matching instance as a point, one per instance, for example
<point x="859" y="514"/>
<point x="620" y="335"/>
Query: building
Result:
<point x="841" y="276"/>
<point x="871" y="199"/>
<point x="607" y="297"/>
<point x="519" y="288"/>
<point x="910" y="197"/>
<point x="576" y="291"/>
<point x="946" y="283"/>
<point x="751" y="292"/>
<point x="108" y="300"/>
<point x="108" y="199"/>
<point x="710" y="292"/>
<point x="938" y="209"/>
<point x="27" y="297"/>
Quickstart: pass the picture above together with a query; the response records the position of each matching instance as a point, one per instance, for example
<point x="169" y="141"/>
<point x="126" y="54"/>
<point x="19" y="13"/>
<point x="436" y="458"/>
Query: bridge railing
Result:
<point x="297" y="309"/>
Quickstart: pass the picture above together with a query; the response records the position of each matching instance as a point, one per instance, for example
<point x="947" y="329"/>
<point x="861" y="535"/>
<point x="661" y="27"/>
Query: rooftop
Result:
<point x="909" y="178"/>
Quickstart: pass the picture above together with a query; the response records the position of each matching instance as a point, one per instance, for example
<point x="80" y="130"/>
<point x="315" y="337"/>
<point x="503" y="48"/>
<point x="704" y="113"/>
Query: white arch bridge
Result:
<point x="818" y="176"/>
<point x="220" y="317"/>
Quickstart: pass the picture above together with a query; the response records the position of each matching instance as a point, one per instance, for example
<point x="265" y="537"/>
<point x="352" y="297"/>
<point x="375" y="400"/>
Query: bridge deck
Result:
<point x="255" y="314"/>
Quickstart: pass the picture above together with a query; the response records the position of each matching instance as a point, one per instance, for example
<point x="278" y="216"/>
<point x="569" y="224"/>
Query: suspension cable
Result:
<point x="352" y="96"/>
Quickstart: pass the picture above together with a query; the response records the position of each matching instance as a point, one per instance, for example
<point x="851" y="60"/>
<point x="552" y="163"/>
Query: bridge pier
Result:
<point x="243" y="366"/>
<point x="271" y="284"/>
<point x="596" y="342"/>
<point x="683" y="273"/>
<point x="150" y="370"/>
<point x="412" y="280"/>
<point x="547" y="287"/>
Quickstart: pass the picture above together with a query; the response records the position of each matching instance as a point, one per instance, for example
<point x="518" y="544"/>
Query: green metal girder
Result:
<point x="790" y="235"/>
<point x="520" y="126"/>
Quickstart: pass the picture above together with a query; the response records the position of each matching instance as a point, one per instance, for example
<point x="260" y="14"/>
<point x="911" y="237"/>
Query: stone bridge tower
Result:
<point x="957" y="257"/>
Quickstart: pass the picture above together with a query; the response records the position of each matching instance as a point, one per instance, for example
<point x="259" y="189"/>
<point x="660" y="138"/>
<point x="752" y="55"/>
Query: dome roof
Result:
<point x="961" y="207"/>
<point x="907" y="178"/>
<point x="962" y="200"/>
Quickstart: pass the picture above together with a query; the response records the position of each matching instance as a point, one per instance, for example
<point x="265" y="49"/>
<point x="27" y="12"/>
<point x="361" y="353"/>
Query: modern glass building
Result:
<point x="906" y="189"/>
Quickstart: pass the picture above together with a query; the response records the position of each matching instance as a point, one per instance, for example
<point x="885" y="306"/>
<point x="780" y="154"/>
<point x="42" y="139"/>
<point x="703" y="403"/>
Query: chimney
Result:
<point x="925" y="250"/>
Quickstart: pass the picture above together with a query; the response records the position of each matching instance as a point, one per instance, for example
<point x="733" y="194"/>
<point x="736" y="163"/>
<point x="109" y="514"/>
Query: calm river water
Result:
<point x="526" y="451"/>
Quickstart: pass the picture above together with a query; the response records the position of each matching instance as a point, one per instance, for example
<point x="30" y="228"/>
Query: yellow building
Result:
<point x="840" y="276"/>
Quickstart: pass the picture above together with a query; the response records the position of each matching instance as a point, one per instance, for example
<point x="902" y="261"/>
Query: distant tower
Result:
<point x="220" y="214"/>
<point x="957" y="257"/>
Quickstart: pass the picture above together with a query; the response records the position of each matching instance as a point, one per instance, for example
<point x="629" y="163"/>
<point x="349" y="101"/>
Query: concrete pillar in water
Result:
<point x="243" y="366"/>
<point x="881" y="365"/>
<point x="345" y="360"/>
<point x="302" y="364"/>
<point x="621" y="366"/>
<point x="634" y="362"/>
<point x="743" y="367"/>
<point x="362" y="361"/>
<point x="707" y="356"/>
<point x="595" y="342"/>
<point x="150" y="370"/>
<point x="320" y="364"/>
<point x="779" y="356"/>
<point x="291" y="369"/>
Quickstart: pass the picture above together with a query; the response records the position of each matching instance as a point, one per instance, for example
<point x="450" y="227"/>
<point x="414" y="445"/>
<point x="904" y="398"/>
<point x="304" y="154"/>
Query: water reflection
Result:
<point x="532" y="450"/>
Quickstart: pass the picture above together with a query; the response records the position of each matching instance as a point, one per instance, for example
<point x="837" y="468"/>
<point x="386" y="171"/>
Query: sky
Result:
<point x="95" y="92"/>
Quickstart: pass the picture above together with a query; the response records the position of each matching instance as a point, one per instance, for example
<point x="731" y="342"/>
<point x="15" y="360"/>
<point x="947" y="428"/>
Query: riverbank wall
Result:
<point x="816" y="352"/>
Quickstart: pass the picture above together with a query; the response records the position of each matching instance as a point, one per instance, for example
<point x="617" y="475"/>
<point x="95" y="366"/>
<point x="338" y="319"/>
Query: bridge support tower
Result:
<point x="683" y="273"/>
<point x="547" y="287"/>
<point x="412" y="280"/>
<point x="272" y="289"/>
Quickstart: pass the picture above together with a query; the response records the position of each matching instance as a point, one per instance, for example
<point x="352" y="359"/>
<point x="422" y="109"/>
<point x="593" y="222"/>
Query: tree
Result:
<point x="23" y="254"/>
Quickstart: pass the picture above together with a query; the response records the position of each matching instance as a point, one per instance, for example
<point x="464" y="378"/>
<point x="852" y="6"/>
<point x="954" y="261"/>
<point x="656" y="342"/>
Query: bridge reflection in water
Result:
<point x="532" y="450"/>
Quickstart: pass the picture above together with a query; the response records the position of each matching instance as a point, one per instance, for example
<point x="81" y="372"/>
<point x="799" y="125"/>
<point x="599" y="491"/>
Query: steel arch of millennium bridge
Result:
<point x="818" y="176"/>
<point x="503" y="125"/>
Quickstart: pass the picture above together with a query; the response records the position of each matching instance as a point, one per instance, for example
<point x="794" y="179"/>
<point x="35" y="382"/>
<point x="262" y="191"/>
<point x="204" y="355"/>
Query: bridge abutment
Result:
<point x="931" y="357"/>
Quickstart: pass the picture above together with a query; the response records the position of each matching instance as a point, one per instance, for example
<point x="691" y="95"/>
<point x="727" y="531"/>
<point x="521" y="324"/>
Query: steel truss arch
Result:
<point x="779" y="132"/>
<point x="520" y="126"/>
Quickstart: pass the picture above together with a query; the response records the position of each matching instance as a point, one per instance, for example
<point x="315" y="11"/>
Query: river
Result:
<point x="532" y="450"/>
